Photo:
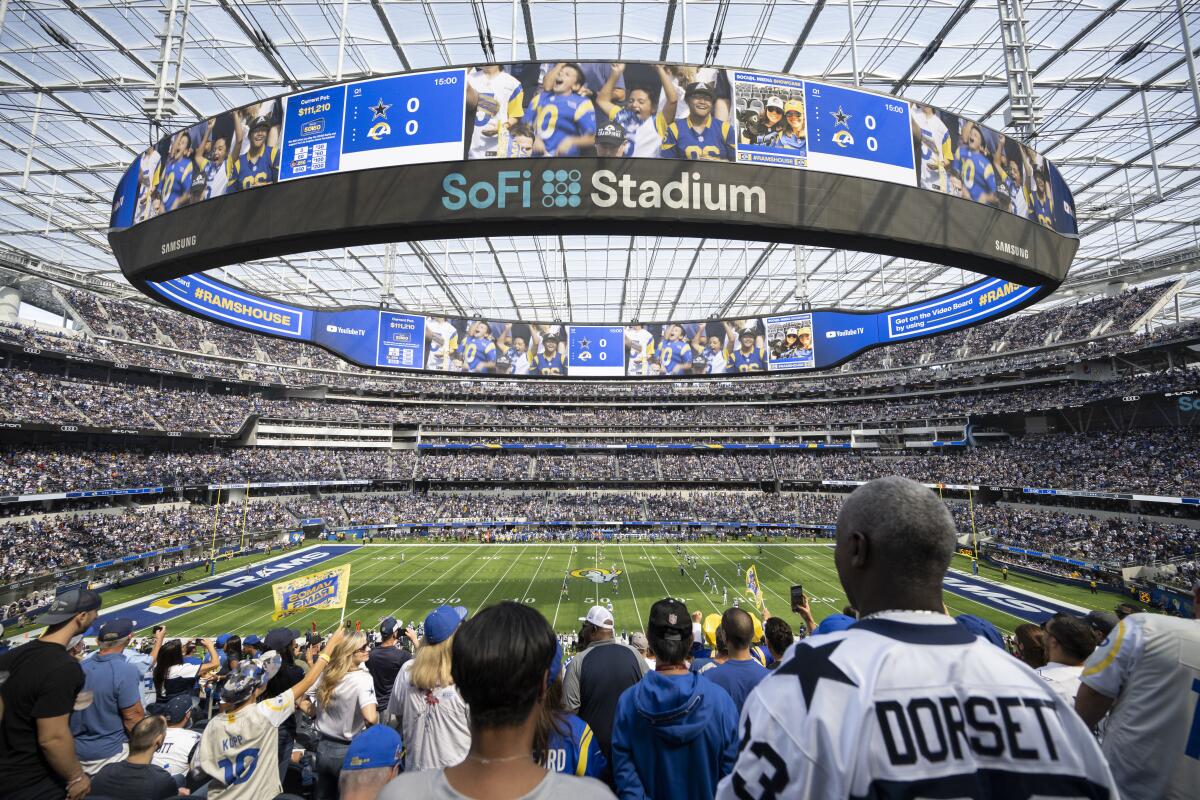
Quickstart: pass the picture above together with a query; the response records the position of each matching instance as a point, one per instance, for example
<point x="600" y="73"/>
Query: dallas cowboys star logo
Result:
<point x="810" y="664"/>
<point x="380" y="109"/>
<point x="840" y="117"/>
<point x="584" y="344"/>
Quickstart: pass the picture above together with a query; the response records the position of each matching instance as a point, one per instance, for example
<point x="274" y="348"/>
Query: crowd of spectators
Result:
<point x="44" y="469"/>
<point x="50" y="543"/>
<point x="28" y="396"/>
<point x="1113" y="541"/>
<point x="492" y="703"/>
<point x="1155" y="461"/>
<point x="137" y="333"/>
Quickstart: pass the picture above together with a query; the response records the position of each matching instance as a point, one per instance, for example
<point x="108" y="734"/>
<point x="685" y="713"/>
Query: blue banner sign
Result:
<point x="398" y="340"/>
<point x="221" y="302"/>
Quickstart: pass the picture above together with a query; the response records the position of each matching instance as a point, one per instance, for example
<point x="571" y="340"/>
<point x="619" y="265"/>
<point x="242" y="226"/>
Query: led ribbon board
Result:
<point x="514" y="151"/>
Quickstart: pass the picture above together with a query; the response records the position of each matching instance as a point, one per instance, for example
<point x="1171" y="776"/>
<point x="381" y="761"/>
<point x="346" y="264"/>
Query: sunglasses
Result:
<point x="792" y="114"/>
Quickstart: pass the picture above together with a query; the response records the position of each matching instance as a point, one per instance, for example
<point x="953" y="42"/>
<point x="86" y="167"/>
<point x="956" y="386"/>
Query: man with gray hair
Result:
<point x="101" y="730"/>
<point x="906" y="702"/>
<point x="1146" y="676"/>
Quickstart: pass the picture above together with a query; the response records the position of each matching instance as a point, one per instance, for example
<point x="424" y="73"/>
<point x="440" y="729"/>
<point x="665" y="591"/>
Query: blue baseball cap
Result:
<point x="834" y="623"/>
<point x="389" y="626"/>
<point x="223" y="639"/>
<point x="442" y="622"/>
<point x="174" y="709"/>
<point x="115" y="630"/>
<point x="981" y="627"/>
<point x="252" y="640"/>
<point x="377" y="746"/>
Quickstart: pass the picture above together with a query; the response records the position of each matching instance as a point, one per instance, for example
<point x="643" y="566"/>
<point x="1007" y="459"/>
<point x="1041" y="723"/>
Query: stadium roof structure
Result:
<point x="1106" y="88"/>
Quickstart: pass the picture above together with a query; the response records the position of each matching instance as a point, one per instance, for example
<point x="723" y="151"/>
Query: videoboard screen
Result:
<point x="390" y="339"/>
<point x="565" y="110"/>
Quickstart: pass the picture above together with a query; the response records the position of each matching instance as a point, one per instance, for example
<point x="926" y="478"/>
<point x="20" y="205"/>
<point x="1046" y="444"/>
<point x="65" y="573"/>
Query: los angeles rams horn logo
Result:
<point x="596" y="574"/>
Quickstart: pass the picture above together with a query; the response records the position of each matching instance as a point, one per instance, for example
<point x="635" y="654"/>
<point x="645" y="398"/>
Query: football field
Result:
<point x="407" y="580"/>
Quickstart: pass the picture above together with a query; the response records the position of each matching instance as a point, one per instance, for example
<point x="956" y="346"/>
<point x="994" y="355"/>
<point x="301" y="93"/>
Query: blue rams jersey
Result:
<point x="978" y="176"/>
<point x="1043" y="211"/>
<point x="712" y="142"/>
<point x="577" y="752"/>
<point x="674" y="356"/>
<point x="755" y="362"/>
<point x="476" y="351"/>
<point x="248" y="172"/>
<point x="762" y="655"/>
<point x="176" y="181"/>
<point x="557" y="116"/>
<point x="549" y="366"/>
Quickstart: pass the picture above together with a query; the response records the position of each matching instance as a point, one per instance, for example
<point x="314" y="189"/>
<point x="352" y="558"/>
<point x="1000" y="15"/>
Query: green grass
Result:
<point x="473" y="575"/>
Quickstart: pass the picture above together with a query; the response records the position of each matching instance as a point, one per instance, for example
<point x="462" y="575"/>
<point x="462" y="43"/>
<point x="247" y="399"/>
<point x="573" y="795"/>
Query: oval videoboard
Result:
<point x="633" y="148"/>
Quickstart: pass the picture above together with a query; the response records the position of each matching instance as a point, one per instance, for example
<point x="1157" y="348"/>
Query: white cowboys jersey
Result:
<point x="909" y="705"/>
<point x="1151" y="665"/>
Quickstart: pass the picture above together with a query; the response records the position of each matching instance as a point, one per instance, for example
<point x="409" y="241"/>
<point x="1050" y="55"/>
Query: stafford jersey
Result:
<point x="240" y="751"/>
<point x="712" y="141"/>
<point x="577" y="752"/>
<point x="549" y="366"/>
<point x="250" y="172"/>
<point x="557" y="116"/>
<point x="1042" y="211"/>
<point x="508" y="94"/>
<point x="755" y="361"/>
<point x="176" y="181"/>
<point x="643" y="137"/>
<point x="909" y="705"/>
<point x="476" y="351"/>
<point x="1150" y="664"/>
<point x="978" y="176"/>
<point x="675" y="356"/>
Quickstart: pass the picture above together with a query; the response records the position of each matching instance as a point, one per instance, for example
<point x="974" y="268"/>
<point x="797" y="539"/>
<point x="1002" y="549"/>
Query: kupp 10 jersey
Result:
<point x="908" y="705"/>
<point x="240" y="751"/>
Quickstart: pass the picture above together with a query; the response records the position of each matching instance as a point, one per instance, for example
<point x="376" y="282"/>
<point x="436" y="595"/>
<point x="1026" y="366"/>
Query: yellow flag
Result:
<point x="318" y="590"/>
<point x="754" y="588"/>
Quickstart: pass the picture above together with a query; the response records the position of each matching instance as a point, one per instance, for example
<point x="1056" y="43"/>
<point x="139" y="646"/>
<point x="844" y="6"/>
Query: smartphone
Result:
<point x="797" y="598"/>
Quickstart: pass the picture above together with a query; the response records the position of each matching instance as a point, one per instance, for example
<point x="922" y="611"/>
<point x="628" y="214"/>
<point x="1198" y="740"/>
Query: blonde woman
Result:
<point x="344" y="698"/>
<point x="434" y="719"/>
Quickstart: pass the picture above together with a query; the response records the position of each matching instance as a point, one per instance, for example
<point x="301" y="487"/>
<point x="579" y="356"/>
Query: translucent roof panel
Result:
<point x="1119" y="114"/>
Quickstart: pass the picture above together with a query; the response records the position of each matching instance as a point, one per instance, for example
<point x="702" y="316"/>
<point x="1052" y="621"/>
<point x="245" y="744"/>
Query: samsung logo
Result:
<point x="1012" y="249"/>
<point x="179" y="244"/>
<point x="846" y="332"/>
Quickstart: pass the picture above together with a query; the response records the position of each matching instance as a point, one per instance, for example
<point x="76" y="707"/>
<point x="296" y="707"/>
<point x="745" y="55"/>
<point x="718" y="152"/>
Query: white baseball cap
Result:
<point x="599" y="616"/>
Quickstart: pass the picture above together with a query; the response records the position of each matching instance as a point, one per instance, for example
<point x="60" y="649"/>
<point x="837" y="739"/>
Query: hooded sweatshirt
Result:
<point x="675" y="736"/>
